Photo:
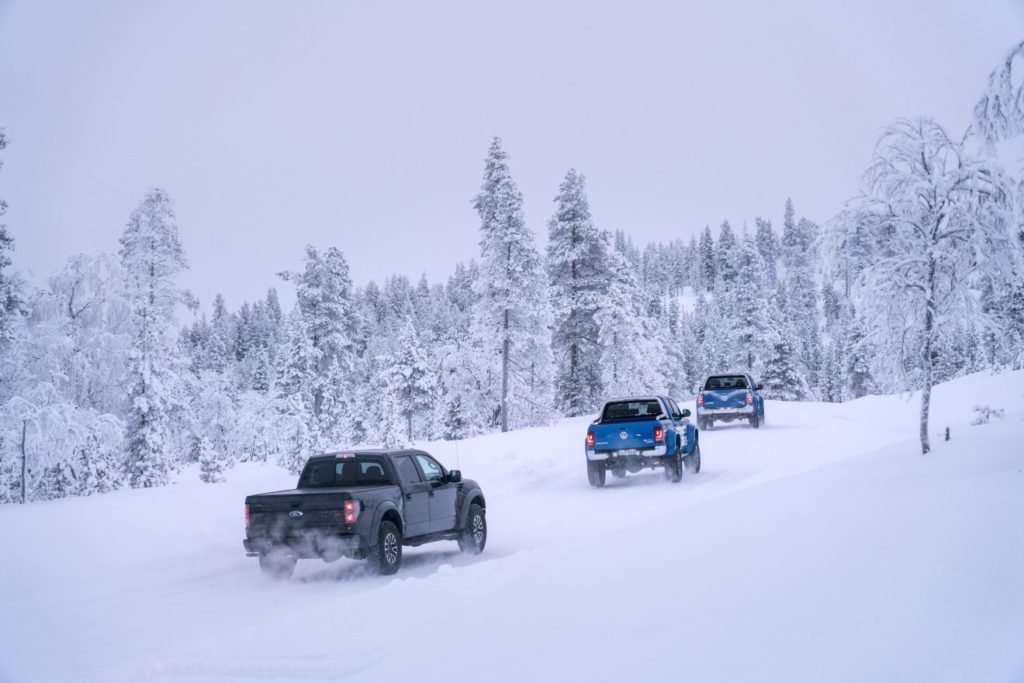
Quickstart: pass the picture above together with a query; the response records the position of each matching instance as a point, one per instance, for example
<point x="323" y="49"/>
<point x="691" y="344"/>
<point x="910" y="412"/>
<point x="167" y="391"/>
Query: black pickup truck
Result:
<point x="364" y="505"/>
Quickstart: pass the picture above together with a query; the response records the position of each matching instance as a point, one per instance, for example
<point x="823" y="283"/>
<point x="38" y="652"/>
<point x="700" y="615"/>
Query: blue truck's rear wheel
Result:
<point x="596" y="474"/>
<point x="692" y="461"/>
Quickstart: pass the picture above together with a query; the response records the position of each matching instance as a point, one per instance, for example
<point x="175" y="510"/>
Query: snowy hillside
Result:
<point x="822" y="547"/>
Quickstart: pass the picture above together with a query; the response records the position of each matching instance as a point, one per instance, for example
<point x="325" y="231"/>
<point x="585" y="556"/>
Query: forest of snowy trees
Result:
<point x="918" y="279"/>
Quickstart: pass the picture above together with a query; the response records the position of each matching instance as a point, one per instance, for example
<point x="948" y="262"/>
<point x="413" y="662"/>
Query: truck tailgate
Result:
<point x="725" y="398"/>
<point x="286" y="514"/>
<point x="624" y="435"/>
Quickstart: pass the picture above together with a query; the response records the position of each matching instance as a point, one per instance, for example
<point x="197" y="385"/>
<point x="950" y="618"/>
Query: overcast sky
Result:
<point x="364" y="124"/>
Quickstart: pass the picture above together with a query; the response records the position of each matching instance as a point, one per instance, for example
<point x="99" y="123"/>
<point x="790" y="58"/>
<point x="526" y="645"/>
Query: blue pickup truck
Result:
<point x="636" y="433"/>
<point x="725" y="398"/>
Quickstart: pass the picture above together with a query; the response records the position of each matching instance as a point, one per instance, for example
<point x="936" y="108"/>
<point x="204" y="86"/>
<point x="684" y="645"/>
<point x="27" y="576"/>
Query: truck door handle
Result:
<point x="431" y="494"/>
<point x="408" y="496"/>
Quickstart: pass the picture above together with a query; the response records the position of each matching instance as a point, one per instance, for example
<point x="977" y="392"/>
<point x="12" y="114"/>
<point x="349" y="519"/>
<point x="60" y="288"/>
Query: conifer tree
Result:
<point x="151" y="256"/>
<point x="578" y="276"/>
<point x="512" y="318"/>
<point x="706" y="260"/>
<point x="768" y="248"/>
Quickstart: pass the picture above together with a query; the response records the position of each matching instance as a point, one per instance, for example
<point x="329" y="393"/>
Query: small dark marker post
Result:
<point x="947" y="433"/>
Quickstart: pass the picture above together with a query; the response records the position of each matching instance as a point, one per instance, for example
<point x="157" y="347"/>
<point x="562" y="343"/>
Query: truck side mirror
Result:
<point x="686" y="412"/>
<point x="759" y="386"/>
<point x="454" y="476"/>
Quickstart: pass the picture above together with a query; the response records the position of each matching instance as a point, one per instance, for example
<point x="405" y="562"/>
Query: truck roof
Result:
<point x="366" y="451"/>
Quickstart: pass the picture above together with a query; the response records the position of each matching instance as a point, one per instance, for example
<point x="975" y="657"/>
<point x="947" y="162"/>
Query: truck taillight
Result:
<point x="351" y="511"/>
<point x="246" y="516"/>
<point x="750" y="397"/>
<point x="700" y="399"/>
<point x="659" y="434"/>
<point x="590" y="439"/>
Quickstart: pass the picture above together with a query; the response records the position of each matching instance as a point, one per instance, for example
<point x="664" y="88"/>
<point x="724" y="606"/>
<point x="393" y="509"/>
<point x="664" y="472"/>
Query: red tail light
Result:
<point x="246" y="516"/>
<point x="700" y="399"/>
<point x="590" y="439"/>
<point x="351" y="511"/>
<point x="750" y="398"/>
<point x="659" y="434"/>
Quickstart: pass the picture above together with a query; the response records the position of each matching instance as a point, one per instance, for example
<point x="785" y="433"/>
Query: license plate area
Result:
<point x="628" y="451"/>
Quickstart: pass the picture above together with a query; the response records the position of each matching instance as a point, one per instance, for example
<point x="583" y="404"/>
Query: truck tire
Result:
<point x="755" y="421"/>
<point x="596" y="474"/>
<point x="674" y="466"/>
<point x="473" y="537"/>
<point x="277" y="564"/>
<point x="385" y="555"/>
<point x="692" y="461"/>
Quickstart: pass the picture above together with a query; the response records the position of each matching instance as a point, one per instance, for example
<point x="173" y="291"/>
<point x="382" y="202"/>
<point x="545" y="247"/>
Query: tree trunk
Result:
<point x="929" y="325"/>
<point x="504" y="376"/>
<point x="24" y="463"/>
<point x="408" y="417"/>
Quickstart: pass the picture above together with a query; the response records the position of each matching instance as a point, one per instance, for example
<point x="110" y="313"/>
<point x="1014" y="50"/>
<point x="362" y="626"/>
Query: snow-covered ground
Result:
<point x="821" y="547"/>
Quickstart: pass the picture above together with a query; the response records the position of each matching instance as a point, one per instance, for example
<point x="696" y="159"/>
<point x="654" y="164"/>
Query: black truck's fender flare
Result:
<point x="378" y="516"/>
<point x="467" y="497"/>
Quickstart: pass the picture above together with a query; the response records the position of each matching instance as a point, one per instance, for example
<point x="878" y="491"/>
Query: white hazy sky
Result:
<point x="364" y="124"/>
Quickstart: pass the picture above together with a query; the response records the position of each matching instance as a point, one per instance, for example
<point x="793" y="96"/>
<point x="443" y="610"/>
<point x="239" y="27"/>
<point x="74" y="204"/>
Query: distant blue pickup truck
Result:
<point x="636" y="433"/>
<point x="725" y="398"/>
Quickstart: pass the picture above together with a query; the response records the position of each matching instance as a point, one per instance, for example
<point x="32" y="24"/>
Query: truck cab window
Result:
<point x="407" y="471"/>
<point x="431" y="469"/>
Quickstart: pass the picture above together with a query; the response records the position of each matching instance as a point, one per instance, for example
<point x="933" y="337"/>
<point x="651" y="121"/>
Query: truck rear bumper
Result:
<point x="313" y="545"/>
<point x="726" y="413"/>
<point x="655" y="454"/>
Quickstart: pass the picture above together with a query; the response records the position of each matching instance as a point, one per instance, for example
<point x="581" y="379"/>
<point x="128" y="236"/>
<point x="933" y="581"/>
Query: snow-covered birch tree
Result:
<point x="939" y="219"/>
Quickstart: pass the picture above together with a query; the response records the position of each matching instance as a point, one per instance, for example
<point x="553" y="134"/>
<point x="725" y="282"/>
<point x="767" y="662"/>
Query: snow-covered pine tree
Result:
<point x="753" y="335"/>
<point x="939" y="218"/>
<point x="800" y="258"/>
<point x="412" y="376"/>
<point x="297" y="443"/>
<point x="578" y="276"/>
<point x="631" y="345"/>
<point x="768" y="247"/>
<point x="211" y="466"/>
<point x="219" y="351"/>
<point x="324" y="300"/>
<point x="151" y="256"/>
<point x="512" y="319"/>
<point x="9" y="285"/>
<point x="706" y="260"/>
<point x="725" y="258"/>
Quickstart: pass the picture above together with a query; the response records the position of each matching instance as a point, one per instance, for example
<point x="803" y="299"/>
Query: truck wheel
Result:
<point x="596" y="474"/>
<point x="385" y="556"/>
<point x="674" y="467"/>
<point x="755" y="421"/>
<point x="277" y="564"/>
<point x="474" y="536"/>
<point x="692" y="461"/>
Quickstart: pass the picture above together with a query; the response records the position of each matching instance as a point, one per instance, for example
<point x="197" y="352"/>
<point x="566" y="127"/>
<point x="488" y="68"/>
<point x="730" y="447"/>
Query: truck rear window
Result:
<point x="354" y="471"/>
<point x="627" y="410"/>
<point x="726" y="382"/>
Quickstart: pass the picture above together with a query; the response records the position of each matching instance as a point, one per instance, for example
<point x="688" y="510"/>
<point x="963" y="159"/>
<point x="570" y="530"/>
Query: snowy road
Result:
<point x="821" y="547"/>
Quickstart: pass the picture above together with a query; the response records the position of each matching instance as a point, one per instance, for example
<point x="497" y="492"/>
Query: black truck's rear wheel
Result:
<point x="278" y="564"/>
<point x="385" y="556"/>
<point x="596" y="474"/>
<point x="473" y="536"/>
